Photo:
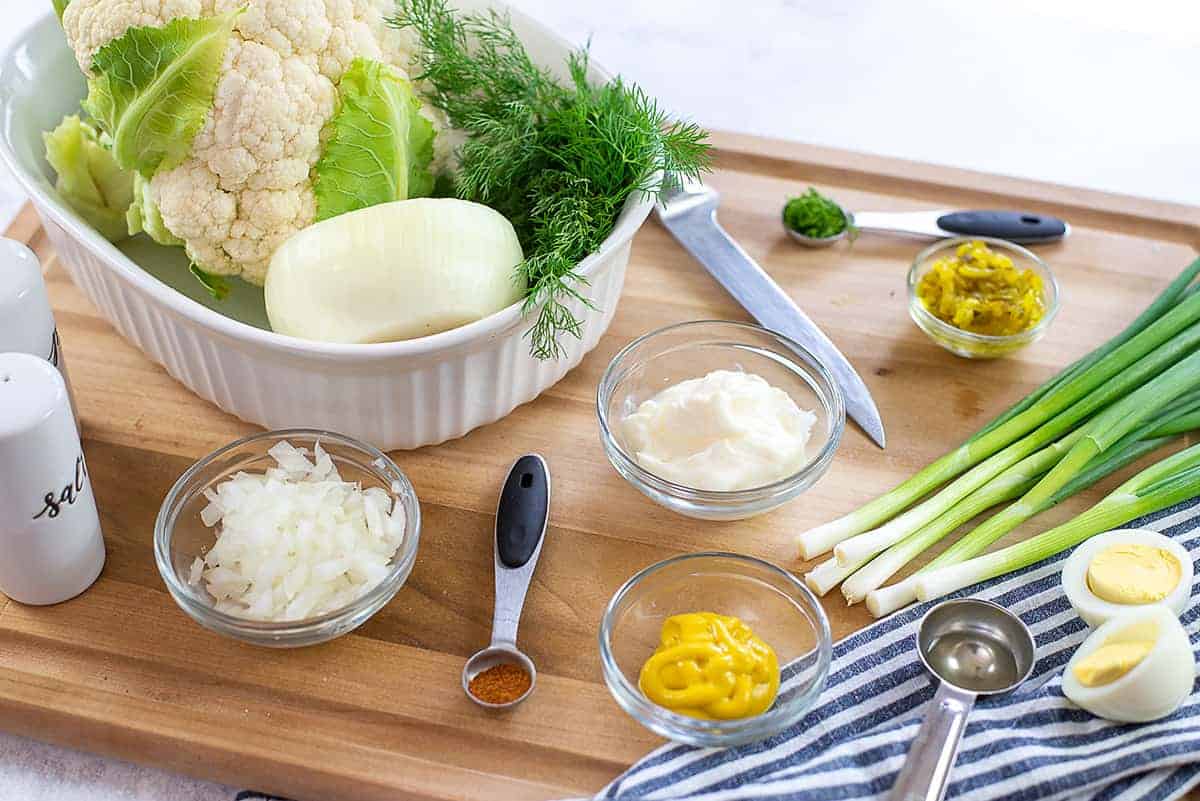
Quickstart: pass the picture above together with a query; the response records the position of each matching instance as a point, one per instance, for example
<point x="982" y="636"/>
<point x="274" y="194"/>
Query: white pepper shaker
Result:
<point x="51" y="548"/>
<point x="26" y="322"/>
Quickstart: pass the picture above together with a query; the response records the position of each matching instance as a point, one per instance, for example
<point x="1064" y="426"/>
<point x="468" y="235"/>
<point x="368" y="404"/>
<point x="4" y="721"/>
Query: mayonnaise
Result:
<point x="726" y="431"/>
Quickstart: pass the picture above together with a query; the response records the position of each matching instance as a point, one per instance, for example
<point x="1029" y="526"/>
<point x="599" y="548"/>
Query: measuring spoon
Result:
<point x="1013" y="226"/>
<point x="974" y="648"/>
<point x="520" y="529"/>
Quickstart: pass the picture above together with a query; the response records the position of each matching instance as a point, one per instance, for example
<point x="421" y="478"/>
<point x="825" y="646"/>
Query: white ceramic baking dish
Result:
<point x="395" y="395"/>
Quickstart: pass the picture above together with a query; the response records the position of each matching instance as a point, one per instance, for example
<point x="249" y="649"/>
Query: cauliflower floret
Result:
<point x="91" y="24"/>
<point x="289" y="27"/>
<point x="356" y="27"/>
<point x="246" y="186"/>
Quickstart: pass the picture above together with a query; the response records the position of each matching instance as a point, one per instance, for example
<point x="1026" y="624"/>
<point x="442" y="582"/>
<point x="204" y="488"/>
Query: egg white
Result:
<point x="1156" y="686"/>
<point x="1094" y="610"/>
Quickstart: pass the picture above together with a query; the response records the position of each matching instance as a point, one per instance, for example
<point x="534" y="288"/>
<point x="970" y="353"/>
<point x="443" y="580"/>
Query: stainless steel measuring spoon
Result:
<point x="974" y="648"/>
<point x="1014" y="226"/>
<point x="521" y="519"/>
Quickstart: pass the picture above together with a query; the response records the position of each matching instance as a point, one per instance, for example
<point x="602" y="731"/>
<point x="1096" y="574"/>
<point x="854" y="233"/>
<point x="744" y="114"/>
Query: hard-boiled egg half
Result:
<point x="1127" y="569"/>
<point x="1136" y="667"/>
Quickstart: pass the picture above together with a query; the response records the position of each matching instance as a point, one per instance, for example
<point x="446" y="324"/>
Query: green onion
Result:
<point x="1102" y="432"/>
<point x="1012" y="483"/>
<point x="1170" y="313"/>
<point x="1174" y="292"/>
<point x="885" y="600"/>
<point x="1177" y="418"/>
<point x="1172" y="480"/>
<point x="858" y="548"/>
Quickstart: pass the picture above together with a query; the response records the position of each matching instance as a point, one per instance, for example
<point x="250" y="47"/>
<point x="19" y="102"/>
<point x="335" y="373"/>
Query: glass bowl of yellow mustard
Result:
<point x="715" y="649"/>
<point x="981" y="298"/>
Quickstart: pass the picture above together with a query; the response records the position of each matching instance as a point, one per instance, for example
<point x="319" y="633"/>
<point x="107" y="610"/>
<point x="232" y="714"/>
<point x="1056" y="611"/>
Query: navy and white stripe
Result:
<point x="1032" y="744"/>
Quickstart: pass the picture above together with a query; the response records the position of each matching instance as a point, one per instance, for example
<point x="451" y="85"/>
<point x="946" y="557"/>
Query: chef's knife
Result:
<point x="690" y="214"/>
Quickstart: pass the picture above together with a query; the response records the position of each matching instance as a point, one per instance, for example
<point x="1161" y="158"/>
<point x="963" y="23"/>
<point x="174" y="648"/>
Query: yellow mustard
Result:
<point x="711" y="666"/>
<point x="1133" y="574"/>
<point x="981" y="291"/>
<point x="1111" y="661"/>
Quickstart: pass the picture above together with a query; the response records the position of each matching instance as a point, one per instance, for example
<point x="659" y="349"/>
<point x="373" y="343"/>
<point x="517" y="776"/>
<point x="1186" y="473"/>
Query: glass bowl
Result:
<point x="180" y="536"/>
<point x="676" y="353"/>
<point x="965" y="343"/>
<point x="771" y="601"/>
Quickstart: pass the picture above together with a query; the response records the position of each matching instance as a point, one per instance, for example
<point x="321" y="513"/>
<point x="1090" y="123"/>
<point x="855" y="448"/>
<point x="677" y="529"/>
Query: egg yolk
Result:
<point x="1133" y="574"/>
<point x="711" y="666"/>
<point x="1111" y="661"/>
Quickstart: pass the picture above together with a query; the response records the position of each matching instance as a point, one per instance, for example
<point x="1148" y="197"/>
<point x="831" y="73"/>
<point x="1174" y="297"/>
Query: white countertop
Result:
<point x="1093" y="93"/>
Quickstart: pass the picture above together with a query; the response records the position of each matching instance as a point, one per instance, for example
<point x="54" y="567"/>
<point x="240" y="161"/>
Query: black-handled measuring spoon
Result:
<point x="520" y="530"/>
<point x="1014" y="226"/>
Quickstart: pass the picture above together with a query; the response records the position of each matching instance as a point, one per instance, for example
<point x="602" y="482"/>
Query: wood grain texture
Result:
<point x="380" y="714"/>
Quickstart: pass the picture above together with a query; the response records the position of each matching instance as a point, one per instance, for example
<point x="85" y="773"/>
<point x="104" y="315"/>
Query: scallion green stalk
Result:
<point x="1175" y="291"/>
<point x="1173" y="311"/>
<point x="1012" y="483"/>
<point x="1102" y="432"/>
<point x="860" y="547"/>
<point x="885" y="600"/>
<point x="1168" y="482"/>
<point x="1177" y="418"/>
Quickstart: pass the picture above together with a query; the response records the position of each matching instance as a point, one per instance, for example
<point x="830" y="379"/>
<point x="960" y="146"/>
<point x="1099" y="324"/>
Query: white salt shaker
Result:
<point x="26" y="322"/>
<point x="51" y="548"/>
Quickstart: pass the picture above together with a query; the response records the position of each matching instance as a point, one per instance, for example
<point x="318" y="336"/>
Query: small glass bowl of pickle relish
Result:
<point x="981" y="298"/>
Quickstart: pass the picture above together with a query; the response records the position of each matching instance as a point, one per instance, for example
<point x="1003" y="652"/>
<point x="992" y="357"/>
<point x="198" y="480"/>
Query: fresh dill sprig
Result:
<point x="558" y="159"/>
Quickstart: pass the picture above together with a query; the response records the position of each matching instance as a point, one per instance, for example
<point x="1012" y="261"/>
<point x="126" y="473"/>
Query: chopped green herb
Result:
<point x="814" y="215"/>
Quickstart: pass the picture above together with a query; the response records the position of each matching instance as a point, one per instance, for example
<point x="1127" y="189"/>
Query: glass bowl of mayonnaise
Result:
<point x="719" y="420"/>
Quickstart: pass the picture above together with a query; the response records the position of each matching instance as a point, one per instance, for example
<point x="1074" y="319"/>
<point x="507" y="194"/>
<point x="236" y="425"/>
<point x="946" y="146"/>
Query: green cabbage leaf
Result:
<point x="378" y="148"/>
<point x="89" y="178"/>
<point x="152" y="89"/>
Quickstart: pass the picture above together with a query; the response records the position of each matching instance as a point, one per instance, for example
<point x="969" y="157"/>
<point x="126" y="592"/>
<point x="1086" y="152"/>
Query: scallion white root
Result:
<point x="886" y="600"/>
<point x="827" y="575"/>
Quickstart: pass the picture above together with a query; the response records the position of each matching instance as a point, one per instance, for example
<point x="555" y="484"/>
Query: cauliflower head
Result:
<point x="244" y="105"/>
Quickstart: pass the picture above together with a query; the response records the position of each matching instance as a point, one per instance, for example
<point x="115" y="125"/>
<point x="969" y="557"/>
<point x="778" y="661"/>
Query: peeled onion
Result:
<point x="394" y="271"/>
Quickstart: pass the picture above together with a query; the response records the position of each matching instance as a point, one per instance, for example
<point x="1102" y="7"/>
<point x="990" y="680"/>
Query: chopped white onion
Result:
<point x="296" y="541"/>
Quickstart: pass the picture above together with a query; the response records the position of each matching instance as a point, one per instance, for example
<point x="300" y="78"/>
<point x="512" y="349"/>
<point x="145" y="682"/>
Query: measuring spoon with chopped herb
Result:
<point x="816" y="221"/>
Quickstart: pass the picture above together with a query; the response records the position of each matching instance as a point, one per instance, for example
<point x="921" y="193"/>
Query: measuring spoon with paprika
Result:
<point x="501" y="676"/>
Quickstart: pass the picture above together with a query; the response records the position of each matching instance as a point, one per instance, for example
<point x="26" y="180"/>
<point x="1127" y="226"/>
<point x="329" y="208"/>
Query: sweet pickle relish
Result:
<point x="983" y="292"/>
<point x="711" y="666"/>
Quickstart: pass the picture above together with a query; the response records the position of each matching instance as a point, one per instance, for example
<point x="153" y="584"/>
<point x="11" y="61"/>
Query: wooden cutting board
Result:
<point x="379" y="714"/>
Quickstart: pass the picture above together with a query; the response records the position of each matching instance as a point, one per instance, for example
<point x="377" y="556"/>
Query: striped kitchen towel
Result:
<point x="1032" y="744"/>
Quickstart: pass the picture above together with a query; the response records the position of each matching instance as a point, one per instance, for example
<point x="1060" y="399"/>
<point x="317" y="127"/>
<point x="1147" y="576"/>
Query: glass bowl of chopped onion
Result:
<point x="981" y="298"/>
<point x="288" y="538"/>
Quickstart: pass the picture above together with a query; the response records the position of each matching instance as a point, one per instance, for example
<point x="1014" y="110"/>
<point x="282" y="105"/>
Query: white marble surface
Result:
<point x="1095" y="93"/>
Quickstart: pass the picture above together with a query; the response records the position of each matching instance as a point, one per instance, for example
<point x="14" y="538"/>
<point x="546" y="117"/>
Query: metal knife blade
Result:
<point x="690" y="214"/>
